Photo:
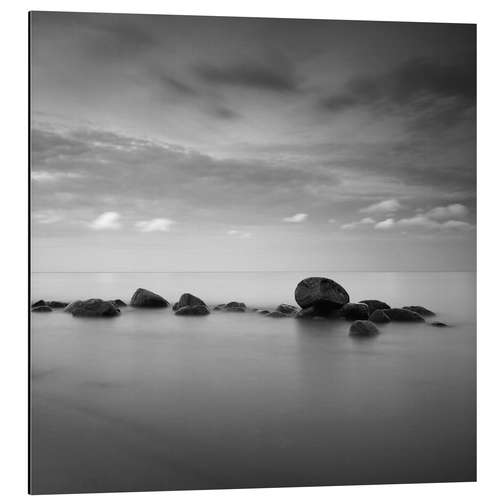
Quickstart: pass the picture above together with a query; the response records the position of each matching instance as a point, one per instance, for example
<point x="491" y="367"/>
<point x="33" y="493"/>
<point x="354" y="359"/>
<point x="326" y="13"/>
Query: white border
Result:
<point x="13" y="160"/>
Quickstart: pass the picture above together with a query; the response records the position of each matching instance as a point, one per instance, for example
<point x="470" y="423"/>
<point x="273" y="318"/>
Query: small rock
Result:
<point x="379" y="316"/>
<point x="277" y="314"/>
<point x="374" y="304"/>
<point x="420" y="310"/>
<point x="397" y="314"/>
<point x="352" y="311"/>
<point x="263" y="311"/>
<point x="118" y="303"/>
<point x="439" y="324"/>
<point x="39" y="303"/>
<point x="194" y="310"/>
<point x="286" y="309"/>
<point x="235" y="307"/>
<point x="363" y="328"/>
<point x="41" y="309"/>
<point x="95" y="308"/>
<point x="146" y="298"/>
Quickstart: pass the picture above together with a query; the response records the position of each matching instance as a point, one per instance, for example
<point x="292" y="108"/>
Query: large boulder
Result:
<point x="95" y="308"/>
<point x="146" y="298"/>
<point x="379" y="316"/>
<point x="72" y="305"/>
<point x="420" y="310"/>
<point x="286" y="309"/>
<point x="193" y="310"/>
<point x="41" y="309"/>
<point x="374" y="304"/>
<point x="363" y="328"/>
<point x="352" y="311"/>
<point x="324" y="294"/>
<point x="187" y="299"/>
<point x="397" y="314"/>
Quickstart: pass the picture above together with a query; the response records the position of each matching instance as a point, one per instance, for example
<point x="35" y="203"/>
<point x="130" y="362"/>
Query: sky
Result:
<point x="178" y="143"/>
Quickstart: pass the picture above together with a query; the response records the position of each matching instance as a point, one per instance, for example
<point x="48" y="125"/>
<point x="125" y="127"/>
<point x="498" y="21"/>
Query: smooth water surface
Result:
<point x="150" y="401"/>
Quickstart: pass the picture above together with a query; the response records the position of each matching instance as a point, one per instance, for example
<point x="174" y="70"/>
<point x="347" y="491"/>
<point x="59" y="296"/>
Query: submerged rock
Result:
<point x="363" y="328"/>
<point x="374" y="305"/>
<point x="263" y="311"/>
<point x="277" y="314"/>
<point x="56" y="304"/>
<point x="379" y="316"/>
<point x="146" y="298"/>
<point x="95" y="308"/>
<point x="420" y="310"/>
<point x="324" y="294"/>
<point x="188" y="299"/>
<point x="72" y="305"/>
<point x="41" y="309"/>
<point x="404" y="315"/>
<point x="286" y="309"/>
<point x="235" y="307"/>
<point x="193" y="310"/>
<point x="38" y="303"/>
<point x="439" y="324"/>
<point x="118" y="303"/>
<point x="353" y="311"/>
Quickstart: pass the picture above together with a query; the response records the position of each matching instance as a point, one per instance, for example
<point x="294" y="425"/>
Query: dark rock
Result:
<point x="286" y="309"/>
<point x="308" y="312"/>
<point x="277" y="314"/>
<point x="363" y="328"/>
<point x="324" y="294"/>
<point x="220" y="307"/>
<point x="118" y="303"/>
<point x="404" y="315"/>
<point x="188" y="300"/>
<point x="193" y="310"/>
<point x="352" y="311"/>
<point x="263" y="311"/>
<point x="374" y="304"/>
<point x="439" y="324"/>
<point x="235" y="307"/>
<point x="41" y="309"/>
<point x="56" y="304"/>
<point x="420" y="310"/>
<point x="95" y="308"/>
<point x="145" y="298"/>
<point x="379" y="316"/>
<point x="39" y="303"/>
<point x="72" y="305"/>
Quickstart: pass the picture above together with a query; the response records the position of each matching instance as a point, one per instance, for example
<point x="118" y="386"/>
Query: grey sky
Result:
<point x="198" y="143"/>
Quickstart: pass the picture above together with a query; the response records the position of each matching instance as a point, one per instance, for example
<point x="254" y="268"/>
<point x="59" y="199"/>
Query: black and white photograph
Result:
<point x="252" y="252"/>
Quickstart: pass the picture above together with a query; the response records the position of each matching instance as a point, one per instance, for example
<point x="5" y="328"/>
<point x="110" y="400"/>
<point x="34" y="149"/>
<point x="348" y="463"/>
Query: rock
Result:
<point x="56" y="304"/>
<point x="420" y="310"/>
<point x="353" y="311"/>
<point x="193" y="310"/>
<point x="188" y="300"/>
<point x="145" y="298"/>
<point x="277" y="314"/>
<point x="263" y="311"/>
<point x="439" y="324"/>
<point x="41" y="309"/>
<point x="363" y="328"/>
<point x="219" y="307"/>
<point x="118" y="303"/>
<point x="72" y="305"/>
<point x="286" y="309"/>
<point x="403" y="315"/>
<point x="324" y="294"/>
<point x="235" y="307"/>
<point x="379" y="316"/>
<point x="39" y="303"/>
<point x="95" y="308"/>
<point x="374" y="304"/>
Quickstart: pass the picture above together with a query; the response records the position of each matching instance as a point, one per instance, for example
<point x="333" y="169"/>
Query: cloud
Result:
<point x="456" y="224"/>
<point x="44" y="176"/>
<point x="383" y="207"/>
<point x="250" y="75"/>
<point x="300" y="217"/>
<point x="107" y="220"/>
<point x="332" y="221"/>
<point x="385" y="224"/>
<point x="47" y="216"/>
<point x="239" y="234"/>
<point x="159" y="224"/>
<point x="363" y="222"/>
<point x="454" y="210"/>
<point x="422" y="221"/>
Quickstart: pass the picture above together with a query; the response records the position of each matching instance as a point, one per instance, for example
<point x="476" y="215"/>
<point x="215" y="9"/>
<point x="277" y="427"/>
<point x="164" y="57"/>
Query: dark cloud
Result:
<point x="260" y="77"/>
<point x="426" y="91"/>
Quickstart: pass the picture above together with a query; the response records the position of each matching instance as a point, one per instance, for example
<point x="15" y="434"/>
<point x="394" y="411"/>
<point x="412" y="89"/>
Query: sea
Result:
<point x="153" y="401"/>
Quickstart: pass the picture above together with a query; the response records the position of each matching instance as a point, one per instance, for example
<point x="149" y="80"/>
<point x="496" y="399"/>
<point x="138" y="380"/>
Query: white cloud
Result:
<point x="47" y="216"/>
<point x="350" y="225"/>
<point x="454" y="210"/>
<point x="385" y="224"/>
<point x="456" y="224"/>
<point x="296" y="218"/>
<point x="383" y="207"/>
<point x="44" y="176"/>
<point x="420" y="220"/>
<point x="159" y="224"/>
<point x="239" y="234"/>
<point x="362" y="222"/>
<point x="107" y="220"/>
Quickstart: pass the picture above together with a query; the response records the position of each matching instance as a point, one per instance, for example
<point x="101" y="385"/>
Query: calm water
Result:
<point x="149" y="400"/>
